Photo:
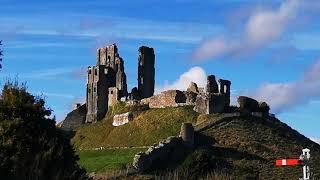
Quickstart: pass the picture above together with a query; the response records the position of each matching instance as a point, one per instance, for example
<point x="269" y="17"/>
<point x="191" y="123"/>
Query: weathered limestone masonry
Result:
<point x="108" y="73"/>
<point x="114" y="96"/>
<point x="121" y="119"/>
<point x="170" y="150"/>
<point x="100" y="78"/>
<point x="146" y="72"/>
<point x="170" y="98"/>
<point x="248" y="105"/>
<point x="214" y="100"/>
<point x="107" y="81"/>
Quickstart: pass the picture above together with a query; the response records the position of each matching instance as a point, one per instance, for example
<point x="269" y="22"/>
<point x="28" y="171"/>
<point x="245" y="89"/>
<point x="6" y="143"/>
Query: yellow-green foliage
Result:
<point x="149" y="127"/>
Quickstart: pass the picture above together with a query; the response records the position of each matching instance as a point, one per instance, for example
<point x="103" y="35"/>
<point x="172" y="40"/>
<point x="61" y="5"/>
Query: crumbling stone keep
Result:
<point x="225" y="89"/>
<point x="109" y="57"/>
<point x="193" y="87"/>
<point x="212" y="86"/>
<point x="214" y="100"/>
<point x="100" y="78"/>
<point x="146" y="72"/>
<point x="107" y="81"/>
<point x="108" y="73"/>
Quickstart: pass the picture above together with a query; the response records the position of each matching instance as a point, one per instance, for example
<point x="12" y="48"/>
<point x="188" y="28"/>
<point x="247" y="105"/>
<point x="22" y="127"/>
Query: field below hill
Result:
<point x="242" y="146"/>
<point x="108" y="159"/>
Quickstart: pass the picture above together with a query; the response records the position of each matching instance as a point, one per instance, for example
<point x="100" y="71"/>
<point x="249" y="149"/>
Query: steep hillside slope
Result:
<point x="250" y="145"/>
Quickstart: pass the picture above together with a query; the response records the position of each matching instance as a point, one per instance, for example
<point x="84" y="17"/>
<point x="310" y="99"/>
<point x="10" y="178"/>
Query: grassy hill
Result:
<point x="246" y="146"/>
<point x="251" y="145"/>
<point x="148" y="127"/>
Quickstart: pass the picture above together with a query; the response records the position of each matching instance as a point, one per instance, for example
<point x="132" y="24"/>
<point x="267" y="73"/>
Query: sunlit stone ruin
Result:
<point x="107" y="85"/>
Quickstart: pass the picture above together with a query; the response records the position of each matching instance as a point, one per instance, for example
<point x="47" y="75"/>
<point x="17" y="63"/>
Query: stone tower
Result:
<point x="109" y="57"/>
<point x="99" y="79"/>
<point x="146" y="72"/>
<point x="106" y="81"/>
<point x="212" y="85"/>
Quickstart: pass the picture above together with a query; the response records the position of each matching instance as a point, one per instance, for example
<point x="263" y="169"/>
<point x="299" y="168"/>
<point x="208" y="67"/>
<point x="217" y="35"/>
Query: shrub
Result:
<point x="31" y="147"/>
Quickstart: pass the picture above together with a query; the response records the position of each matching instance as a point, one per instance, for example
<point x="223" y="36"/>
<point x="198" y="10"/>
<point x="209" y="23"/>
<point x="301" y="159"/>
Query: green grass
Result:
<point x="149" y="127"/>
<point x="109" y="159"/>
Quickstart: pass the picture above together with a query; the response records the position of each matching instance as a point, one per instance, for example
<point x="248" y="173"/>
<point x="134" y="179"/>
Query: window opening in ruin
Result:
<point x="225" y="89"/>
<point x="109" y="59"/>
<point x="89" y="71"/>
<point x="111" y="92"/>
<point x="94" y="90"/>
<point x="89" y="90"/>
<point x="95" y="72"/>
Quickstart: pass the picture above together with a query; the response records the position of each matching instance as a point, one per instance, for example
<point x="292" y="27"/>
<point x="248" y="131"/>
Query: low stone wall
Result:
<point x="74" y="119"/>
<point x="121" y="119"/>
<point x="170" y="98"/>
<point x="170" y="150"/>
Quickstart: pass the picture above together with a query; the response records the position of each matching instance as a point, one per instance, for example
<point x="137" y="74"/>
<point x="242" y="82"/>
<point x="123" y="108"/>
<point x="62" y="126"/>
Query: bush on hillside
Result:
<point x="31" y="147"/>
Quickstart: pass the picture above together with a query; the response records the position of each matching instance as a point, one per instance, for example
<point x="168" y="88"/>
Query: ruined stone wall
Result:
<point x="170" y="98"/>
<point x="146" y="72"/>
<point x="121" y="78"/>
<point x="100" y="78"/>
<point x="114" y="96"/>
<point x="109" y="72"/>
<point x="107" y="56"/>
<point x="122" y="119"/>
<point x="214" y="100"/>
<point x="110" y="57"/>
<point x="171" y="150"/>
<point x="212" y="85"/>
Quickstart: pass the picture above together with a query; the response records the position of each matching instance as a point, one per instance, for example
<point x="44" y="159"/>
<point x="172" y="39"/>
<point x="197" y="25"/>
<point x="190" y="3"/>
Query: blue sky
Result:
<point x="268" y="49"/>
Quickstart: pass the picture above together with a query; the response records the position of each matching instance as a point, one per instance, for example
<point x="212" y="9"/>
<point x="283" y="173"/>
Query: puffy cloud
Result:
<point x="262" y="27"/>
<point x="195" y="74"/>
<point x="286" y="95"/>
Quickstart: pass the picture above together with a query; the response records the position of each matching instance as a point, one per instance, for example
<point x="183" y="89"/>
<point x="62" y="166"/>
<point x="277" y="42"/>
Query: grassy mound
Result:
<point x="147" y="128"/>
<point x="244" y="147"/>
<point x="250" y="145"/>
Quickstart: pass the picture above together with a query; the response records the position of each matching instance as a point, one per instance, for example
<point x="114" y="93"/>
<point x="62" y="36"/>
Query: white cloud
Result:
<point x="262" y="27"/>
<point x="286" y="95"/>
<point x="195" y="74"/>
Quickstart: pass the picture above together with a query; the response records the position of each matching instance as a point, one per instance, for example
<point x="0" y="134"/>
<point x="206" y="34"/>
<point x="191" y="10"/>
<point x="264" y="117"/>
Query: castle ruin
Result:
<point x="107" y="81"/>
<point x="146" y="72"/>
<point x="107" y="85"/>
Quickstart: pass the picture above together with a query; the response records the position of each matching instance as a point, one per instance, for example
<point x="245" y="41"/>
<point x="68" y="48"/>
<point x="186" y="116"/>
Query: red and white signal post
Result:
<point x="303" y="161"/>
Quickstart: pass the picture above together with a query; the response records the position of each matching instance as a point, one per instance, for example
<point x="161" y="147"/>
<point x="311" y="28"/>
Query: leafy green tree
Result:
<point x="31" y="147"/>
